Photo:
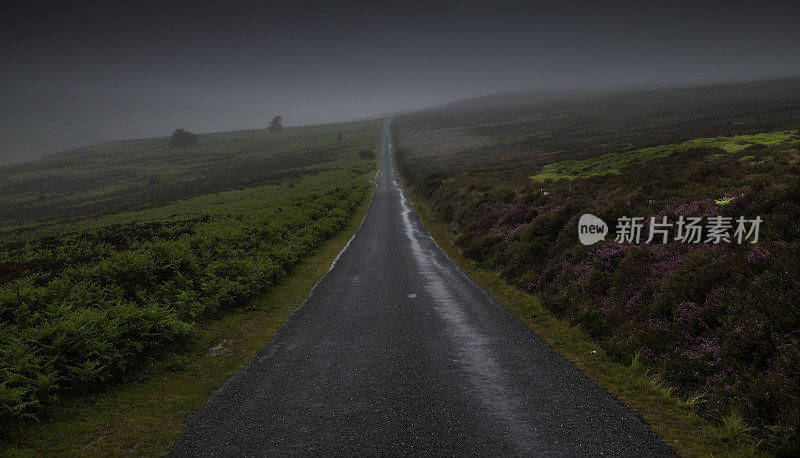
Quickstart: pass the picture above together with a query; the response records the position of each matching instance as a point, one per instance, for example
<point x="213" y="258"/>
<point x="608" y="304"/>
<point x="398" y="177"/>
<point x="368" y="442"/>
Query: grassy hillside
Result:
<point x="113" y="253"/>
<point x="718" y="325"/>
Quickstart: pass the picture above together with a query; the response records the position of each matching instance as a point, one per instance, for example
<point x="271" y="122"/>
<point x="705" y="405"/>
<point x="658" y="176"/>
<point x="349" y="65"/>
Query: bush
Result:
<point x="69" y="332"/>
<point x="182" y="138"/>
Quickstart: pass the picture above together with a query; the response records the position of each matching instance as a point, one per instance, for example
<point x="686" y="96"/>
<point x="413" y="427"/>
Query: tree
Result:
<point x="275" y="125"/>
<point x="181" y="138"/>
<point x="339" y="137"/>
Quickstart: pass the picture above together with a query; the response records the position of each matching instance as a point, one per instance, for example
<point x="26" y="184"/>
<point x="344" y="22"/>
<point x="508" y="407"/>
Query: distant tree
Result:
<point x="366" y="154"/>
<point x="339" y="137"/>
<point x="181" y="138"/>
<point x="275" y="125"/>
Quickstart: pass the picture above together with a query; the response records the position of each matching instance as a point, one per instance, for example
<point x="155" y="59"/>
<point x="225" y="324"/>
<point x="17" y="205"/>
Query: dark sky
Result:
<point x="78" y="72"/>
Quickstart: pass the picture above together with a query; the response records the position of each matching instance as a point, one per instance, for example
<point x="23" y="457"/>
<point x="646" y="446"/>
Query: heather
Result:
<point x="719" y="324"/>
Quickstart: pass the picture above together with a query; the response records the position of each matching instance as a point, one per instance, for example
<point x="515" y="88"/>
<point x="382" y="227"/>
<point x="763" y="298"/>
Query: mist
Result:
<point x="83" y="73"/>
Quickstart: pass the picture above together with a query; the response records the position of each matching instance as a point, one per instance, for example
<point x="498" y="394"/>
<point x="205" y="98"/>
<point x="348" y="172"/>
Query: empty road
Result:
<point x="397" y="351"/>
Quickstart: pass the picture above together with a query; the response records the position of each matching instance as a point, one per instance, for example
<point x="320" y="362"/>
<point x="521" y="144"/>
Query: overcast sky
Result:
<point x="79" y="72"/>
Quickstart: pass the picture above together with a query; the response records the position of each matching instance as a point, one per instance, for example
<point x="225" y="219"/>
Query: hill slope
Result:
<point x="112" y="253"/>
<point x="718" y="321"/>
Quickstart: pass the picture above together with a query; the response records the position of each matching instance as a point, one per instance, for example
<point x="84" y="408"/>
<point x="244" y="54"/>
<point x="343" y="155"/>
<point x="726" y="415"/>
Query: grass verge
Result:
<point x="146" y="416"/>
<point x="672" y="418"/>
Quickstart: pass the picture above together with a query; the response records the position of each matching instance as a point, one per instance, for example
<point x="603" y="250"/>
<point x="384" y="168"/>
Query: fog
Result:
<point x="78" y="73"/>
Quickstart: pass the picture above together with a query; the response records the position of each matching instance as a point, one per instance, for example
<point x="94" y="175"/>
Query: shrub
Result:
<point x="182" y="138"/>
<point x="72" y="331"/>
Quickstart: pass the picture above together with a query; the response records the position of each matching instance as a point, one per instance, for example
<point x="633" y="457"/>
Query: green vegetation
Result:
<point x="613" y="163"/>
<point x="107" y="267"/>
<point x="714" y="327"/>
<point x="146" y="414"/>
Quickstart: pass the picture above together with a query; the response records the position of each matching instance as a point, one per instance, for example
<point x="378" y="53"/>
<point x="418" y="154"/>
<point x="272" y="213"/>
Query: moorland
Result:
<point x="113" y="254"/>
<point x="717" y="325"/>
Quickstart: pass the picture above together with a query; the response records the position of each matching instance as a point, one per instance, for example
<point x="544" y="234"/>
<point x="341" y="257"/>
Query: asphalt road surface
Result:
<point x="396" y="352"/>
